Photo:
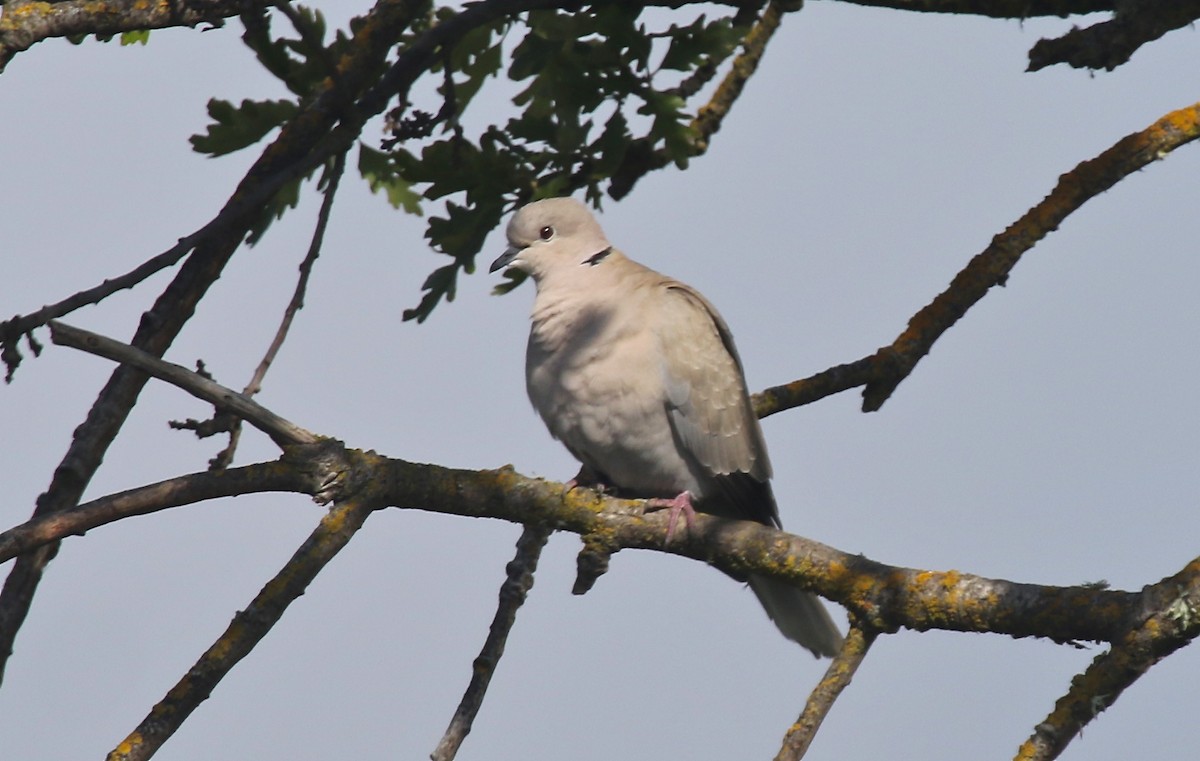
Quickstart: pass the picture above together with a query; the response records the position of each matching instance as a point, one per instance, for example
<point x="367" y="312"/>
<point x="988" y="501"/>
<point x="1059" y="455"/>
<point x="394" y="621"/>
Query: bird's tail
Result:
<point x="798" y="614"/>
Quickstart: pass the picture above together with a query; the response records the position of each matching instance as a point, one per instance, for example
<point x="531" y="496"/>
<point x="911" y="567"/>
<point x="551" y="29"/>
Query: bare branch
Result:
<point x="513" y="592"/>
<point x="281" y="431"/>
<point x="11" y="330"/>
<point x="884" y="370"/>
<point x="1145" y="626"/>
<point x="310" y="258"/>
<point x="225" y="456"/>
<point x="174" y="492"/>
<point x="825" y="383"/>
<point x="1008" y="9"/>
<point x="1111" y="43"/>
<point x="323" y="129"/>
<point x="837" y="678"/>
<point x="248" y="627"/>
<point x="1175" y="603"/>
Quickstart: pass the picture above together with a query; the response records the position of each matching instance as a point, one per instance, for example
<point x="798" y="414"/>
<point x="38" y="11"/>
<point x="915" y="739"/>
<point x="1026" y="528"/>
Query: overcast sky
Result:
<point x="1050" y="437"/>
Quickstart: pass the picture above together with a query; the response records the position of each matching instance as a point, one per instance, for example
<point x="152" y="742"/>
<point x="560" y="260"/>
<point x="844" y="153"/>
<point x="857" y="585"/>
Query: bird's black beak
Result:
<point x="505" y="259"/>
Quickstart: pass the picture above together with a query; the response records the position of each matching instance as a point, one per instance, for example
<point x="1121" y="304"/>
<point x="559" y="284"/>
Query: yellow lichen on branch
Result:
<point x="880" y="373"/>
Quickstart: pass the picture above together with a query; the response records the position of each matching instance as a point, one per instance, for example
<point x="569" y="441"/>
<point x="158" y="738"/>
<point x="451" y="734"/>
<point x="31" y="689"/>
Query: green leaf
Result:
<point x="138" y="36"/>
<point x="692" y="44"/>
<point x="608" y="151"/>
<point x="441" y="282"/>
<point x="300" y="64"/>
<point x="237" y="127"/>
<point x="462" y="232"/>
<point x="287" y="198"/>
<point x="380" y="172"/>
<point x="512" y="279"/>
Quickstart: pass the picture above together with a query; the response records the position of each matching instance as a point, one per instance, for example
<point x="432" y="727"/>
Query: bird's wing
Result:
<point x="710" y="412"/>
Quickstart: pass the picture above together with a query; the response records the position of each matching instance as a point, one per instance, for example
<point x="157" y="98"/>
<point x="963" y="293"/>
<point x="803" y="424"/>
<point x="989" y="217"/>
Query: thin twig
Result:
<point x="225" y="456"/>
<point x="322" y="129"/>
<point x="641" y="160"/>
<point x="837" y="677"/>
<point x="174" y="492"/>
<point x="281" y="431"/>
<point x="513" y="592"/>
<point x="310" y="258"/>
<point x="11" y="330"/>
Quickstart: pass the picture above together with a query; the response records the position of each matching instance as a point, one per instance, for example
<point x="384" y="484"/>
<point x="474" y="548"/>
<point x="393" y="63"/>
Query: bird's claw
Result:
<point x="680" y="504"/>
<point x="587" y="478"/>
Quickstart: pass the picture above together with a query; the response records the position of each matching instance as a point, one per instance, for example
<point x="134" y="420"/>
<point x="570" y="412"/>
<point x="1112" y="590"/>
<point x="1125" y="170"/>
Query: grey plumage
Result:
<point x="638" y="376"/>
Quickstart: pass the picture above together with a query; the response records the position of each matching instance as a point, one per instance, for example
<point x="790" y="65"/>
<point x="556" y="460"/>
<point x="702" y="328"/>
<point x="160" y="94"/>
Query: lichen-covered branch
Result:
<point x="23" y="23"/>
<point x="1144" y="626"/>
<point x="884" y="370"/>
<point x="882" y="598"/>
<point x="799" y="736"/>
<point x="248" y="627"/>
<point x="1173" y="622"/>
<point x="303" y="143"/>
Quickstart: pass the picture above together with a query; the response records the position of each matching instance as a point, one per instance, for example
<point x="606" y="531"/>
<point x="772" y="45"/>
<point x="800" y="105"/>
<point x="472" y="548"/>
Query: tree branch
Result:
<point x="884" y="598"/>
<point x="283" y="432"/>
<point x="641" y="158"/>
<point x="302" y="144"/>
<point x="513" y="592"/>
<point x="1109" y="44"/>
<point x="225" y="456"/>
<point x="174" y="492"/>
<point x="837" y="678"/>
<point x="1144" y="626"/>
<point x="25" y="23"/>
<point x="884" y="370"/>
<point x="1173" y="624"/>
<point x="881" y="597"/>
<point x="248" y="627"/>
<point x="1004" y="9"/>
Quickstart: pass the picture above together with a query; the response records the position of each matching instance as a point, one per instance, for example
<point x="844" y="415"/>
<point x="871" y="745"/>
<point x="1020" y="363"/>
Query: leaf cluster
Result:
<point x="593" y="88"/>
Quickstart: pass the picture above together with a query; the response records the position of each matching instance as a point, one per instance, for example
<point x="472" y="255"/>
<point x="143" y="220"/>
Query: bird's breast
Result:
<point x="598" y="386"/>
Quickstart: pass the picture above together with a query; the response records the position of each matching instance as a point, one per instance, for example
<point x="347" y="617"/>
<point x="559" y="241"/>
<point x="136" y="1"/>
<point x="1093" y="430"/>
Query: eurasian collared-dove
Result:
<point x="637" y="375"/>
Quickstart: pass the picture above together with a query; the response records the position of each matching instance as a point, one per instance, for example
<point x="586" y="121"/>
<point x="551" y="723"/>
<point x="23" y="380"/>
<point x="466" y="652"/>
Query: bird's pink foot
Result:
<point x="680" y="504"/>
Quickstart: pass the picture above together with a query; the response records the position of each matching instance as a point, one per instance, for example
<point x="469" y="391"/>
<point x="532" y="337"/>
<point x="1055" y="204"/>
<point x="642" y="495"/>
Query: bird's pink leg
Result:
<point x="680" y="504"/>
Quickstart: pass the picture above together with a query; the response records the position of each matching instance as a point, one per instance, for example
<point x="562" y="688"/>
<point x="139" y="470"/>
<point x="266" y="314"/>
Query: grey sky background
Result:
<point x="1050" y="437"/>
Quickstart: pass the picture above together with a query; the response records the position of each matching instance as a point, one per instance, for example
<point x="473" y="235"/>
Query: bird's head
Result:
<point x="554" y="235"/>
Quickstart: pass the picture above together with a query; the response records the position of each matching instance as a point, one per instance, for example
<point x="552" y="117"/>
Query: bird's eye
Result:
<point x="546" y="232"/>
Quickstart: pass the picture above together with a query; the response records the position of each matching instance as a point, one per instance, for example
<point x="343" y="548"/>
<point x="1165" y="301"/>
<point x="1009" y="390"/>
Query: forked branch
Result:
<point x="884" y="370"/>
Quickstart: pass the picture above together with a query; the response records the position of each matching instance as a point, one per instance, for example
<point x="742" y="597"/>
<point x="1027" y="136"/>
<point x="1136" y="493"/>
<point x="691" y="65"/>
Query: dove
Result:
<point x="637" y="375"/>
